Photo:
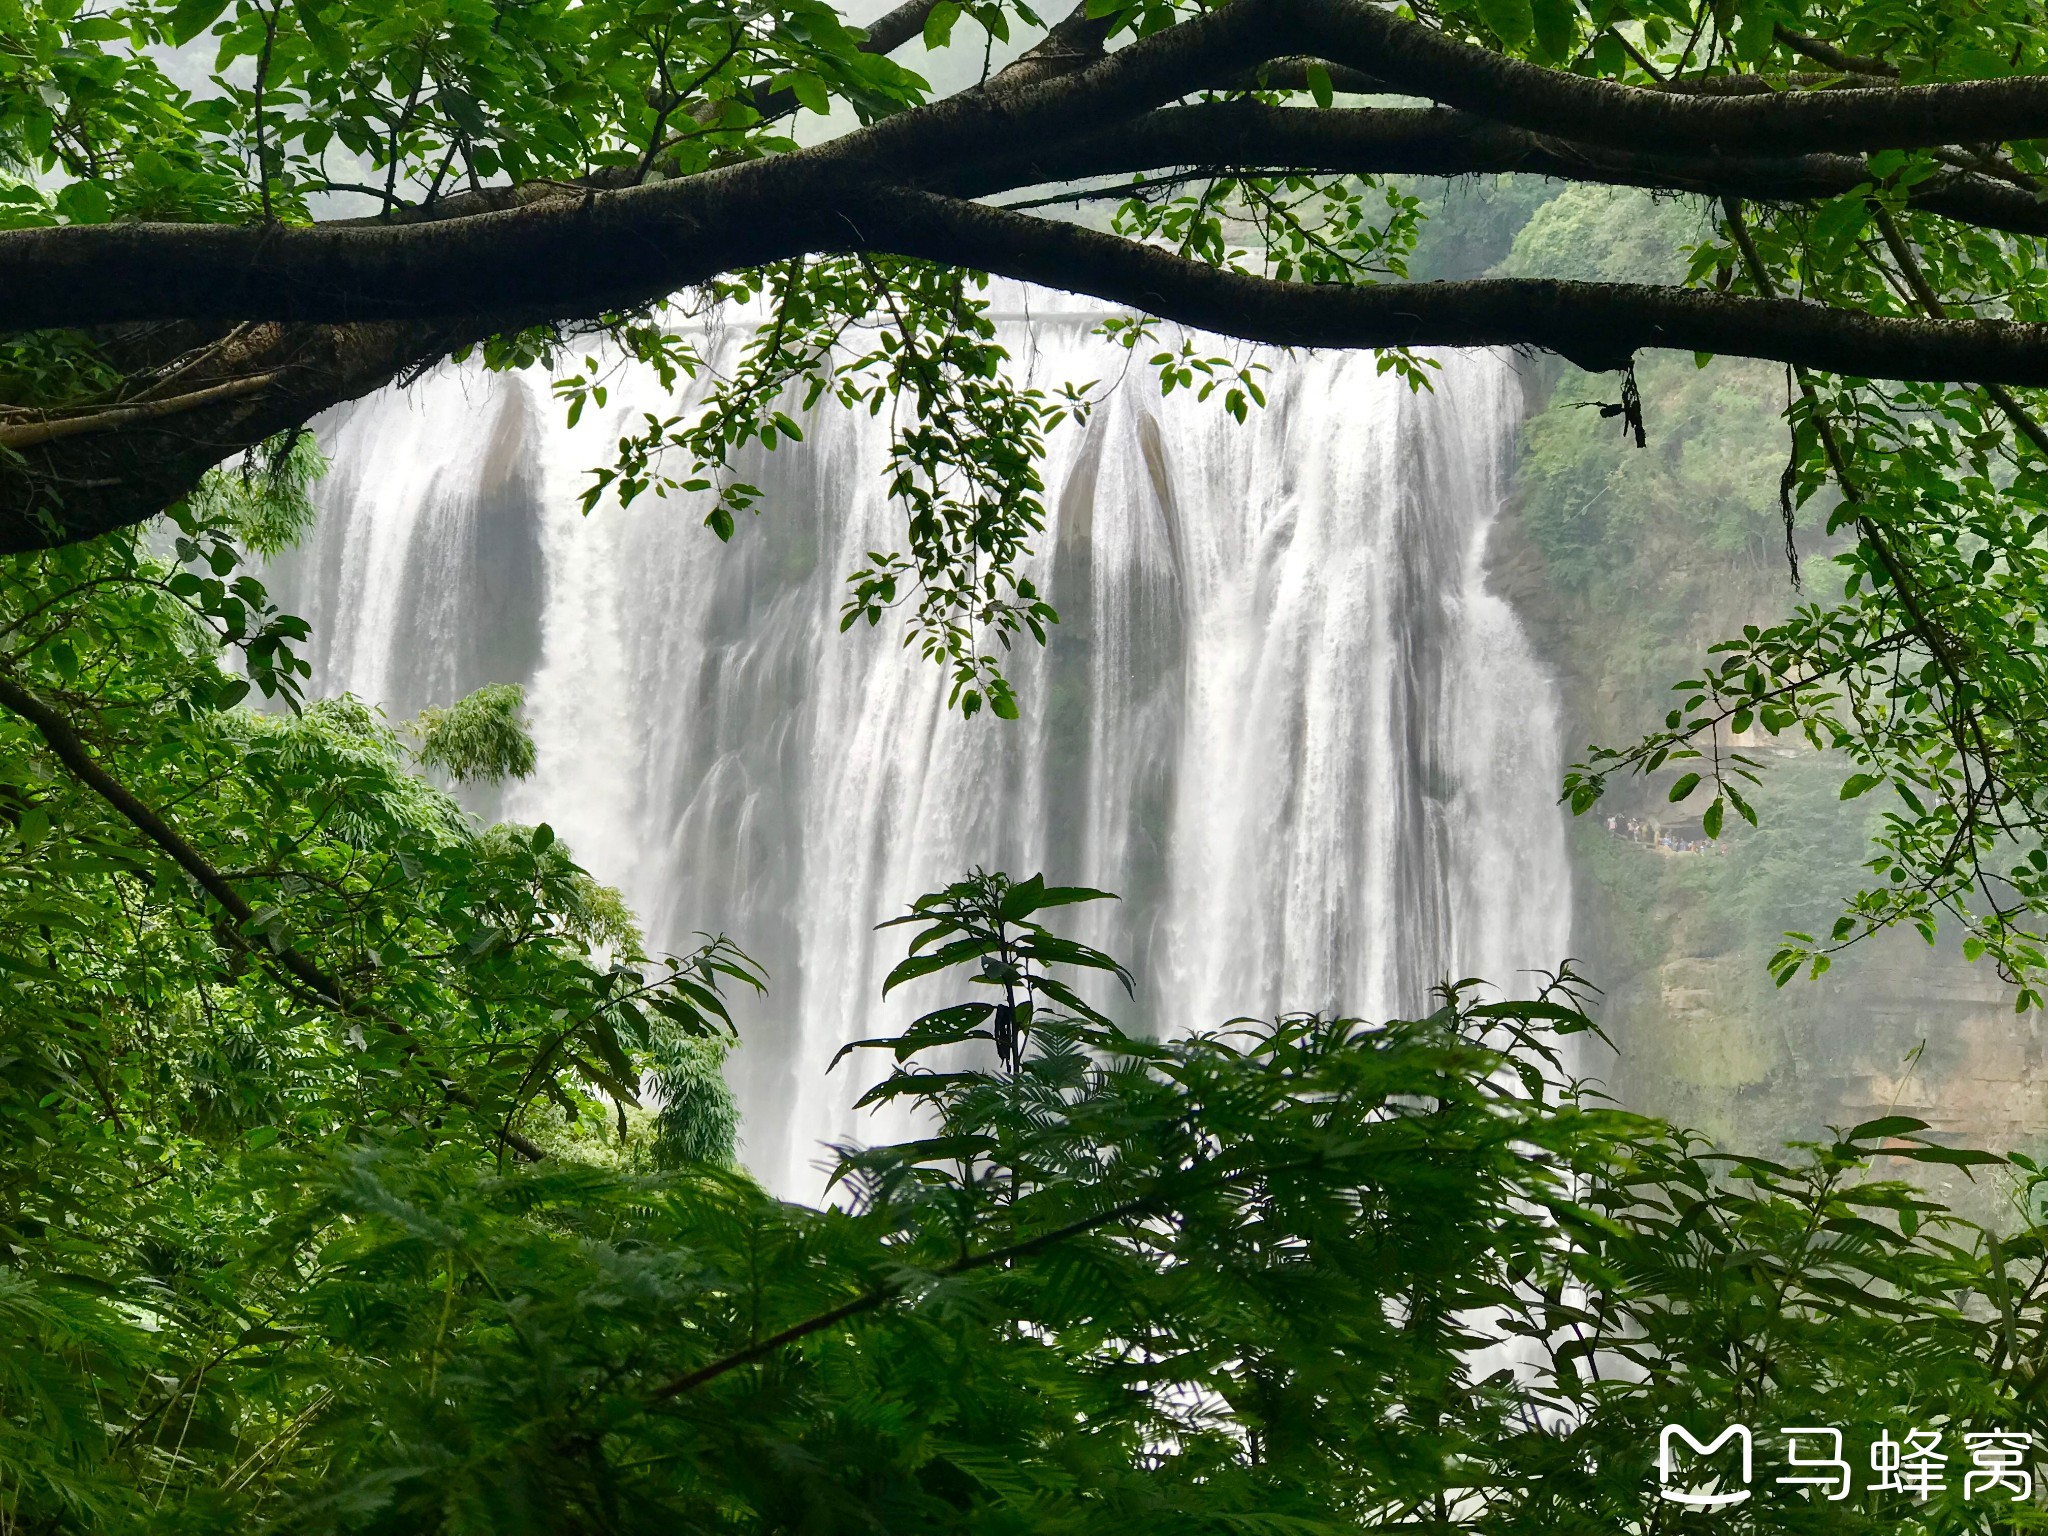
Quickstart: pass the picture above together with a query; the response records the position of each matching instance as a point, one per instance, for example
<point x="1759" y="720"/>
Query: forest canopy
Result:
<point x="269" y="1269"/>
<point x="361" y="1166"/>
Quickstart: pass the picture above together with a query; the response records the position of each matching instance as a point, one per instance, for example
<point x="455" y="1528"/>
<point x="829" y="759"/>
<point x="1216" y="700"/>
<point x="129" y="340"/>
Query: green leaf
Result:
<point x="938" y="24"/>
<point x="957" y="953"/>
<point x="1742" y="806"/>
<point x="1021" y="899"/>
<point x="1841" y="220"/>
<point x="811" y="92"/>
<point x="1686" y="784"/>
<point x="189" y="18"/>
<point x="1953" y="1157"/>
<point x="1512" y="21"/>
<point x="325" y="37"/>
<point x="86" y="202"/>
<point x="1885" y="1125"/>
<point x="1067" y="895"/>
<point x="1860" y="784"/>
<point x="1319" y="84"/>
<point x="1755" y="33"/>
<point x="1557" y="29"/>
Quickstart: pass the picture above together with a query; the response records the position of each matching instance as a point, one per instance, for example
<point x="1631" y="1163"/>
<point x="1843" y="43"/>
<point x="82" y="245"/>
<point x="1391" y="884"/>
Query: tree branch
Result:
<point x="70" y="749"/>
<point x="1253" y="138"/>
<point x="598" y="249"/>
<point x="1292" y="74"/>
<point x="1071" y="44"/>
<point x="1833" y="57"/>
<point x="1416" y="58"/>
<point x="578" y="255"/>
<point x="61" y="491"/>
<point x="341" y="308"/>
<point x="891" y="31"/>
<point x="115" y="417"/>
<point x="1599" y="326"/>
<point x="64" y="489"/>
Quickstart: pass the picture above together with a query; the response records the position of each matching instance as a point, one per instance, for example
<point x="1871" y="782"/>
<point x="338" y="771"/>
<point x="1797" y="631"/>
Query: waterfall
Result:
<point x="1281" y="715"/>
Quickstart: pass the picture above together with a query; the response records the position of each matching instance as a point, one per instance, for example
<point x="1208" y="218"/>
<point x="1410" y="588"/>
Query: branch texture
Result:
<point x="1599" y="326"/>
<point x="325" y="313"/>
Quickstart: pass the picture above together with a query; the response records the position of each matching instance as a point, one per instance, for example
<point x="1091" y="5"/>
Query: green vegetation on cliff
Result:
<point x="1630" y="564"/>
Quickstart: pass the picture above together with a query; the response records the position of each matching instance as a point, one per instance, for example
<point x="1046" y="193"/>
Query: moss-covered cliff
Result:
<point x="1627" y="564"/>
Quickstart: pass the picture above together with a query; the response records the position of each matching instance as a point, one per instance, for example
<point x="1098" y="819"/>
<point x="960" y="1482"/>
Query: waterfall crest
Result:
<point x="1282" y="715"/>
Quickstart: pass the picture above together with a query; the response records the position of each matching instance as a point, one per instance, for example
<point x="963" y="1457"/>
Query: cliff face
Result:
<point x="1705" y="1040"/>
<point x="1628" y="564"/>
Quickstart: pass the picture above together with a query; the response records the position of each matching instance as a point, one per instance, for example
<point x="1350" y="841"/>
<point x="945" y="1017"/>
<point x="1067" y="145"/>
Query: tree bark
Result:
<point x="1599" y="326"/>
<point x="1251" y="138"/>
<point x="333" y="311"/>
<point x="65" y="490"/>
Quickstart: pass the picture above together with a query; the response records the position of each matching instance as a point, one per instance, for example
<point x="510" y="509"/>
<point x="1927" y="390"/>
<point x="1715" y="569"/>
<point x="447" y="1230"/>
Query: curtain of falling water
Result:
<point x="1281" y="715"/>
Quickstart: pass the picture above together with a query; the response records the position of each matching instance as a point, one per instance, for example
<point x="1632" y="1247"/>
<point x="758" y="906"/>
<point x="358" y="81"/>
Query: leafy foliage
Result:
<point x="1913" y="674"/>
<point x="698" y="1119"/>
<point x="917" y="341"/>
<point x="1921" y="671"/>
<point x="266" y="1257"/>
<point x="1303" y="1274"/>
<point x="266" y="502"/>
<point x="481" y="737"/>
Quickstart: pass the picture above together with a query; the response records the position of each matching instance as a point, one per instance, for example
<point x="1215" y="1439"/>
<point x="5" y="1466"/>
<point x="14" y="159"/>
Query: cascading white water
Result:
<point x="1282" y="715"/>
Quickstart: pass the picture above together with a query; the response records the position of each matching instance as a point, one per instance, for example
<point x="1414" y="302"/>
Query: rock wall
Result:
<point x="1627" y="565"/>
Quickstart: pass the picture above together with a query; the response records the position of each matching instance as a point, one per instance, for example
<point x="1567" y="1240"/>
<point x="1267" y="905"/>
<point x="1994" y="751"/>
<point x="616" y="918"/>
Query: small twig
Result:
<point x="179" y="367"/>
<point x="1930" y="301"/>
<point x="434" y="188"/>
<point x="398" y="126"/>
<point x="1834" y="58"/>
<point x="882" y="1295"/>
<point x="28" y="434"/>
<point x="253" y="1463"/>
<point x="1634" y="53"/>
<point x="671" y="98"/>
<point x="262" y="77"/>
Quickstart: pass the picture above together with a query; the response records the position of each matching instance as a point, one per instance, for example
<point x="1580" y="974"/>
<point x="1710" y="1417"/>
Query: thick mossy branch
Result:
<point x="1253" y="138"/>
<point x="325" y="313"/>
<point x="65" y="489"/>
<point x="1417" y="59"/>
<point x="1597" y="325"/>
